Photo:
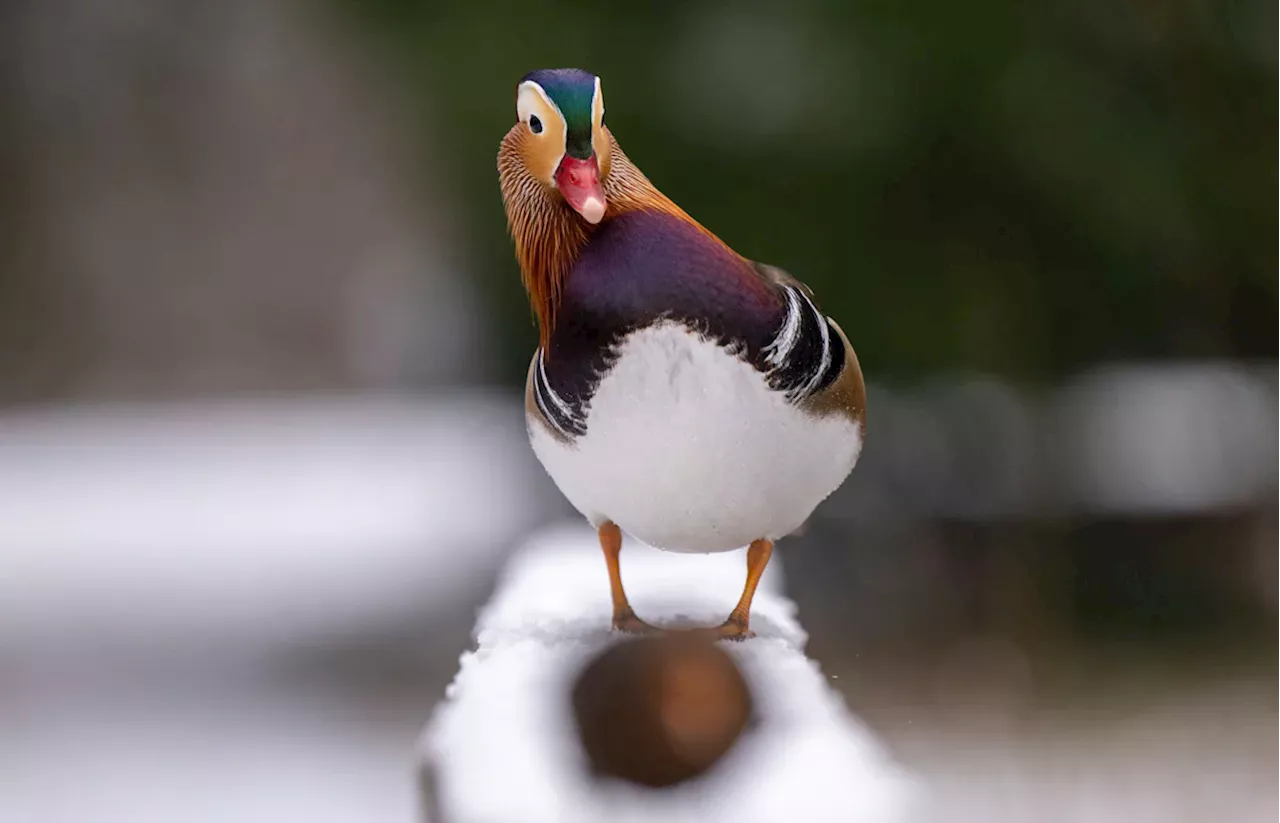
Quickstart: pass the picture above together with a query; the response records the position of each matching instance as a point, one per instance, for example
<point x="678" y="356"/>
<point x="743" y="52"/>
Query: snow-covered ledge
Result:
<point x="503" y="745"/>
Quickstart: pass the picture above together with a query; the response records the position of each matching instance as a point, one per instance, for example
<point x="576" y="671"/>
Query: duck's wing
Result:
<point x="810" y="358"/>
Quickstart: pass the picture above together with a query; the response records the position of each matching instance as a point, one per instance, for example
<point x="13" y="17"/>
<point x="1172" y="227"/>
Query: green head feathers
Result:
<point x="573" y="91"/>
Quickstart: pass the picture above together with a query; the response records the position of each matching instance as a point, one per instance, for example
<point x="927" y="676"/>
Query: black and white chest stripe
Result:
<point x="569" y="420"/>
<point x="807" y="354"/>
<point x="804" y="356"/>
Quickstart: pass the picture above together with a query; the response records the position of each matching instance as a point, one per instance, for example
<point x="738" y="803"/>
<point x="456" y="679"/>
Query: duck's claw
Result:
<point x="627" y="622"/>
<point x="735" y="628"/>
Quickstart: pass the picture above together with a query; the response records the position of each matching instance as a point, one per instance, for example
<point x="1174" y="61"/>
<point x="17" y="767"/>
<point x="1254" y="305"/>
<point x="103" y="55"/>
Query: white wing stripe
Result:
<point x="825" y="330"/>
<point x="777" y="352"/>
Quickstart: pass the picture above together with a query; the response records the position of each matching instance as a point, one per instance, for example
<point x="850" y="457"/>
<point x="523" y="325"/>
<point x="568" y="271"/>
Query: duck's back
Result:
<point x="659" y="404"/>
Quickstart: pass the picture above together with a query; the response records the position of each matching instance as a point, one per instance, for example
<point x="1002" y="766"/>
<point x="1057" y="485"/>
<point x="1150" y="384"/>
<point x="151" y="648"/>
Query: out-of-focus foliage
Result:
<point x="1019" y="188"/>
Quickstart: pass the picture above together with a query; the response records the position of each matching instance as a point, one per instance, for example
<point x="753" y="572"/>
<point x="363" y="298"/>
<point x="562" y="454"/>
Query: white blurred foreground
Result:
<point x="251" y="524"/>
<point x="503" y="746"/>
<point x="165" y="568"/>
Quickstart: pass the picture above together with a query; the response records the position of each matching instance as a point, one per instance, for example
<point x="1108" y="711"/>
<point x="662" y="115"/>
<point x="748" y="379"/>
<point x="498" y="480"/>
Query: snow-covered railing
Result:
<point x="506" y="744"/>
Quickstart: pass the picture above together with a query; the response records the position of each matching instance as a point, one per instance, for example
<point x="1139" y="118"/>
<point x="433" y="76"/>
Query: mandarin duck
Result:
<point x="680" y="393"/>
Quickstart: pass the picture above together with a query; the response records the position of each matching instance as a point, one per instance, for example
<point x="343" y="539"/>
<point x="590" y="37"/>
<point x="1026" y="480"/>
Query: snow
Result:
<point x="501" y="747"/>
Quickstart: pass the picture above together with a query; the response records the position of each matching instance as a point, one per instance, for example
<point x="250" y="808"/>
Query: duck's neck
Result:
<point x="549" y="234"/>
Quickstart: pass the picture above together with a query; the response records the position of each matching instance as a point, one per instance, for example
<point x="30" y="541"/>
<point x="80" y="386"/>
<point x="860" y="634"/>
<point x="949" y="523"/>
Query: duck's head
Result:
<point x="561" y="138"/>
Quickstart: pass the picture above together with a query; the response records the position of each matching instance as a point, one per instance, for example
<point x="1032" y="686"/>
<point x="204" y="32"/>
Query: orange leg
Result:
<point x="735" y="628"/>
<point x="624" y="618"/>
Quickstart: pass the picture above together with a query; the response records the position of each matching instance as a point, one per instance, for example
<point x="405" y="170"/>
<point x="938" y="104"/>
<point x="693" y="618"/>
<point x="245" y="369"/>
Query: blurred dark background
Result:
<point x="262" y="349"/>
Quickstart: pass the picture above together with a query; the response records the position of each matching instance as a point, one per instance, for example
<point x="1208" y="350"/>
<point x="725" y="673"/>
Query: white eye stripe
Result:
<point x="532" y="100"/>
<point x="526" y="96"/>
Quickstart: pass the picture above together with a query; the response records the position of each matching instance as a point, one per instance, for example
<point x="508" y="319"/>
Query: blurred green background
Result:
<point x="1010" y="188"/>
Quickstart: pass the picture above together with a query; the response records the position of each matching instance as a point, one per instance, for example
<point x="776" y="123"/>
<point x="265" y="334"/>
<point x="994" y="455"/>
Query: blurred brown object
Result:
<point x="660" y="710"/>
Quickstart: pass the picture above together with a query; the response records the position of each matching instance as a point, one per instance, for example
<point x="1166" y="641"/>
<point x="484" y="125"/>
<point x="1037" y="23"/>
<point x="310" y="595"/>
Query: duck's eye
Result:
<point x="535" y="125"/>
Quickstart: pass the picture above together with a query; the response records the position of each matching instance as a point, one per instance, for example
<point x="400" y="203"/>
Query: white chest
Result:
<point x="687" y="449"/>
